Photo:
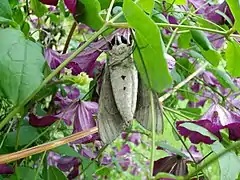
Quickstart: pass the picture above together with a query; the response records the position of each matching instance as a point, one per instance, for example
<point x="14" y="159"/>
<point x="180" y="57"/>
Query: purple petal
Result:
<point x="49" y="2"/>
<point x="125" y="163"/>
<point x="41" y="121"/>
<point x="53" y="158"/>
<point x="196" y="137"/>
<point x="218" y="115"/>
<point x="124" y="135"/>
<point x="88" y="153"/>
<point x="209" y="78"/>
<point x="135" y="138"/>
<point x="175" y="165"/>
<point x="66" y="163"/>
<point x="124" y="150"/>
<point x="194" y="152"/>
<point x="74" y="173"/>
<point x="234" y="131"/>
<point x="6" y="169"/>
<point x="195" y="87"/>
<point x="170" y="61"/>
<point x="106" y="160"/>
<point x="84" y="120"/>
<point x="71" y="5"/>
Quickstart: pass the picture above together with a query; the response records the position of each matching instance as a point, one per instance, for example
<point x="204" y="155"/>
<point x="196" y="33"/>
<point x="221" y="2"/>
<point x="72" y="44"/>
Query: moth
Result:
<point x="123" y="95"/>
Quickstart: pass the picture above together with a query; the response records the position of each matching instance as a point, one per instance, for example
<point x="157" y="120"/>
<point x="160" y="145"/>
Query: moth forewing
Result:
<point x="124" y="79"/>
<point x="110" y="122"/>
<point x="143" y="108"/>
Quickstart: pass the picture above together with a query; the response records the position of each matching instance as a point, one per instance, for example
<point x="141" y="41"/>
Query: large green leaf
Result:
<point x="209" y="53"/>
<point x="21" y="63"/>
<point x="146" y="5"/>
<point x="178" y="2"/>
<point x="234" y="7"/>
<point x="224" y="79"/>
<point x="105" y="3"/>
<point x="229" y="163"/>
<point x="55" y="174"/>
<point x="24" y="173"/>
<point x="232" y="57"/>
<point x="38" y="8"/>
<point x="90" y="13"/>
<point x="66" y="150"/>
<point x="149" y="56"/>
<point x="26" y="135"/>
<point x="5" y="9"/>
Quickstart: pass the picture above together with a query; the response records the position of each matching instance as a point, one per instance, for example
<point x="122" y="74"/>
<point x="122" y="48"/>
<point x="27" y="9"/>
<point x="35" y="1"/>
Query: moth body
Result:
<point x="124" y="79"/>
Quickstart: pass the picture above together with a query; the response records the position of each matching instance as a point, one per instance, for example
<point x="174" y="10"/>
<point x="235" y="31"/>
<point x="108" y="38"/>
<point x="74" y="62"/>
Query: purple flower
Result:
<point x="49" y="2"/>
<point x="215" y="119"/>
<point x="71" y="4"/>
<point x="125" y="163"/>
<point x="88" y="153"/>
<point x="6" y="169"/>
<point x="81" y="115"/>
<point x="134" y="137"/>
<point x="209" y="11"/>
<point x="124" y="150"/>
<point x="67" y="164"/>
<point x="176" y="164"/>
<point x="37" y="121"/>
<point x="84" y="62"/>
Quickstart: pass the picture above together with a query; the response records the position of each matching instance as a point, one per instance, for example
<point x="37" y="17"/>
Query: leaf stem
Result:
<point x="185" y="81"/>
<point x="166" y="25"/>
<point x="74" y="25"/>
<point x="109" y="10"/>
<point x="153" y="118"/>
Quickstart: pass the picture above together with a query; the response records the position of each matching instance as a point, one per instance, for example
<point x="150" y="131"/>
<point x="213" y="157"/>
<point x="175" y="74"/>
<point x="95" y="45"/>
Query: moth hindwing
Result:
<point x="143" y="108"/>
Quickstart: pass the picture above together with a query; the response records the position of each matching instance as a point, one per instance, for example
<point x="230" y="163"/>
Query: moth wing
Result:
<point x="110" y="122"/>
<point x="143" y="109"/>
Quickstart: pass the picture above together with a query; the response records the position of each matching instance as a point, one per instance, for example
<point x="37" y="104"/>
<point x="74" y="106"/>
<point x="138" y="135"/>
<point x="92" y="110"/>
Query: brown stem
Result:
<point x="69" y="37"/>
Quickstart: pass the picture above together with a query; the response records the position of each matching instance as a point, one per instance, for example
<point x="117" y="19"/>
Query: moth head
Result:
<point x="120" y="44"/>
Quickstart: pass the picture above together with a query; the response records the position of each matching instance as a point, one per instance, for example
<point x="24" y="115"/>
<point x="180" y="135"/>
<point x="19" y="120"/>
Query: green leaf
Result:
<point x="232" y="57"/>
<point x="146" y="5"/>
<point x="5" y="9"/>
<point x="184" y="40"/>
<point x="90" y="14"/>
<point x="199" y="129"/>
<point x="55" y="174"/>
<point x="8" y="21"/>
<point x="178" y="2"/>
<point x="212" y="56"/>
<point x="90" y="169"/>
<point x="201" y="39"/>
<point x="229" y="163"/>
<point x="234" y="6"/>
<point x="26" y="135"/>
<point x="104" y="3"/>
<point x="38" y="8"/>
<point x="212" y="171"/>
<point x="24" y="173"/>
<point x="21" y="63"/>
<point x="103" y="171"/>
<point x="224" y="79"/>
<point x="149" y="55"/>
<point x="172" y="149"/>
<point x="66" y="150"/>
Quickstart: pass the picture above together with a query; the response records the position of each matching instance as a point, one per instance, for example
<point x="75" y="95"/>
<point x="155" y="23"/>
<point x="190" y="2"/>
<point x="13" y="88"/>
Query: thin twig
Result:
<point x="185" y="81"/>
